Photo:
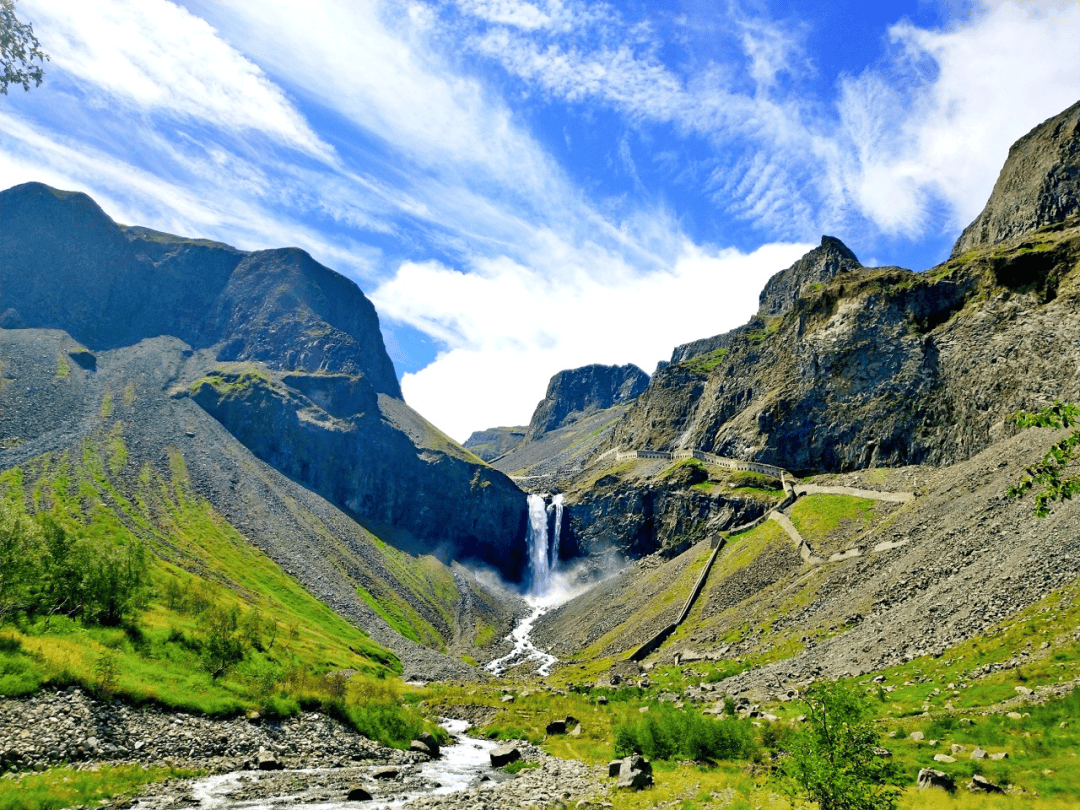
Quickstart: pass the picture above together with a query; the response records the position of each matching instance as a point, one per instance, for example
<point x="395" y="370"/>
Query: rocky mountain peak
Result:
<point x="583" y="390"/>
<point x="1038" y="185"/>
<point x="821" y="264"/>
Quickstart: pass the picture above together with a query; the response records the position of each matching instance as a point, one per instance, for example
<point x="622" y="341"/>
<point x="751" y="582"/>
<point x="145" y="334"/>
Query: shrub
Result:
<point x="668" y="733"/>
<point x="831" y="761"/>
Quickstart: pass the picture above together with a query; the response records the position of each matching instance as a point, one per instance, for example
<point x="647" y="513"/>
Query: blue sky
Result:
<point x="523" y="187"/>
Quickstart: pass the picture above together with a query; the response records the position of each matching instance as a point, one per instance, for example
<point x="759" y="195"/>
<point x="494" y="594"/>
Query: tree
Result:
<point x="832" y="760"/>
<point x="1059" y="471"/>
<point x="18" y="50"/>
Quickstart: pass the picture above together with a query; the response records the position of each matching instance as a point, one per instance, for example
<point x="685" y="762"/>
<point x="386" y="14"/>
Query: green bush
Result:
<point x="668" y="733"/>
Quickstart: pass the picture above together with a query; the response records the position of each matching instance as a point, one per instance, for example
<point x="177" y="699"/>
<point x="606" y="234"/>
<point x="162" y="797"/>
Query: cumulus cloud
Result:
<point x="510" y="327"/>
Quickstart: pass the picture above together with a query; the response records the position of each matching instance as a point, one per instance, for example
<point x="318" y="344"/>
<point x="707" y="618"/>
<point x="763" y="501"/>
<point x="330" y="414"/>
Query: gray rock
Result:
<point x="358" y="794"/>
<point x="980" y="784"/>
<point x="504" y="756"/>
<point x="939" y="780"/>
<point x="268" y="761"/>
<point x="556" y="727"/>
<point x="1038" y="185"/>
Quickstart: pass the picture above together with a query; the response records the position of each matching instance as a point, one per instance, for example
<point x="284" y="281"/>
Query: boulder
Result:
<point x="635" y="773"/>
<point x="956" y="748"/>
<point x="636" y="762"/>
<point x="430" y="741"/>
<point x="420" y="748"/>
<point x="507" y="699"/>
<point x="1000" y="755"/>
<point x="917" y="736"/>
<point x="944" y="758"/>
<point x="635" y="780"/>
<point x="268" y="761"/>
<point x="978" y="753"/>
<point x="577" y="731"/>
<point x="939" y="780"/>
<point x="386" y="773"/>
<point x="601" y="701"/>
<point x="504" y="755"/>
<point x="980" y="784"/>
<point x="556" y="727"/>
<point x="358" y="794"/>
<point x="614" y="767"/>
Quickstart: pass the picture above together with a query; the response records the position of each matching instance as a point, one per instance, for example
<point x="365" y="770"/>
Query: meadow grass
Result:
<point x="66" y="787"/>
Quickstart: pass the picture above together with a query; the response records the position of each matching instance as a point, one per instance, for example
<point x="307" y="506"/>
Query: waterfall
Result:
<point x="557" y="507"/>
<point x="536" y="538"/>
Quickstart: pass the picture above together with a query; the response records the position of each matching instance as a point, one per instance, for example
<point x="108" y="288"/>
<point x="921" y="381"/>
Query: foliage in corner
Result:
<point x="832" y="761"/>
<point x="1057" y="472"/>
<point x="18" y="50"/>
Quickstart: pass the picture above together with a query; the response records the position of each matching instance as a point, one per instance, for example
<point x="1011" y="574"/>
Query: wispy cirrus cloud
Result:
<point x="160" y="58"/>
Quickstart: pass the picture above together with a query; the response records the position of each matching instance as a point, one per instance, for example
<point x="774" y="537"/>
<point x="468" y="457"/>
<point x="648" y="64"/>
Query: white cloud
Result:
<point x="160" y="58"/>
<point x="510" y="327"/>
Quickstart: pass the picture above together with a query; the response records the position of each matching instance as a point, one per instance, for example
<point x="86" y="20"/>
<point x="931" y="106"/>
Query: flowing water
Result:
<point x="542" y="540"/>
<point x="458" y="768"/>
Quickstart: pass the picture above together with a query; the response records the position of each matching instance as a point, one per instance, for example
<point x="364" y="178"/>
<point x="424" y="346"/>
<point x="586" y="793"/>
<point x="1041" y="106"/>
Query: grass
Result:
<point x="157" y="659"/>
<point x="67" y="787"/>
<point x="817" y="516"/>
<point x="63" y="367"/>
<point x="704" y="363"/>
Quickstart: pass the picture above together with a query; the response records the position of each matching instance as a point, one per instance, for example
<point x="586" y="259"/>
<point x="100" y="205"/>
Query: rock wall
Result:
<point x="1039" y="185"/>
<point x="584" y="390"/>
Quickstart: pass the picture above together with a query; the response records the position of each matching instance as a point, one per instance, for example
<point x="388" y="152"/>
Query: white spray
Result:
<point x="536" y="539"/>
<point x="557" y="507"/>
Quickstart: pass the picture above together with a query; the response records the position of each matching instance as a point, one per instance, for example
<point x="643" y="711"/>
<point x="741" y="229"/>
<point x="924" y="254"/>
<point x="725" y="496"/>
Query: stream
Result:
<point x="461" y="766"/>
<point x="524" y="649"/>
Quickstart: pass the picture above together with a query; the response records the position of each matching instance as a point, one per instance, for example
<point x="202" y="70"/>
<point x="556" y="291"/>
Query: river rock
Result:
<point x="939" y="780"/>
<point x="358" y="794"/>
<point x="430" y="741"/>
<point x="385" y="773"/>
<point x="504" y="756"/>
<point x="419" y="747"/>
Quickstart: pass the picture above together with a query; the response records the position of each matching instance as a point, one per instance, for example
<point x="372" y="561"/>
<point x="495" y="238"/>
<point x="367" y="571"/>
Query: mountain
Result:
<point x="576" y="392"/>
<point x="494" y="442"/>
<point x="575" y="416"/>
<point x="890" y="395"/>
<point x="1039" y="185"/>
<point x="283" y="351"/>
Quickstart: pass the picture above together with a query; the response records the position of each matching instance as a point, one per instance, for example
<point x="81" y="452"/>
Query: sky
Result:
<point x="522" y="186"/>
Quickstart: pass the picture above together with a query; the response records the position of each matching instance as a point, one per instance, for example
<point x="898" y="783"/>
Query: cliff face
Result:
<point x="583" y="390"/>
<point x="883" y="367"/>
<point x="1039" y="185"/>
<point x="847" y="367"/>
<point x="288" y="357"/>
<point x="820" y="265"/>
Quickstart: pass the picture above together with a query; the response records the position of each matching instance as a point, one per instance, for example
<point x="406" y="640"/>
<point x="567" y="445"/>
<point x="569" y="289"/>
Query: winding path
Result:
<point x="793" y="491"/>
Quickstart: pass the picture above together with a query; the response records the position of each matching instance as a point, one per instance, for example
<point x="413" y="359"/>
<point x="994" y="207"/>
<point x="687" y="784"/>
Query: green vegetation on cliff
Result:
<point x="131" y="585"/>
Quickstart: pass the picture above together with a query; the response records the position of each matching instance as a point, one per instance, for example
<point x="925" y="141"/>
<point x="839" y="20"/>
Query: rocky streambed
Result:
<point x="305" y="761"/>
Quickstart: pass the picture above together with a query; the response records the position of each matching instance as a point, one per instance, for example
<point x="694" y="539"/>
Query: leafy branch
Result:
<point x="18" y="50"/>
<point x="1056" y="474"/>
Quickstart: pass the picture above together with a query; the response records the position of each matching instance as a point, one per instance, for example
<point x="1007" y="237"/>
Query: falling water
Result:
<point x="557" y="507"/>
<point x="543" y="551"/>
<point x="536" y="538"/>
